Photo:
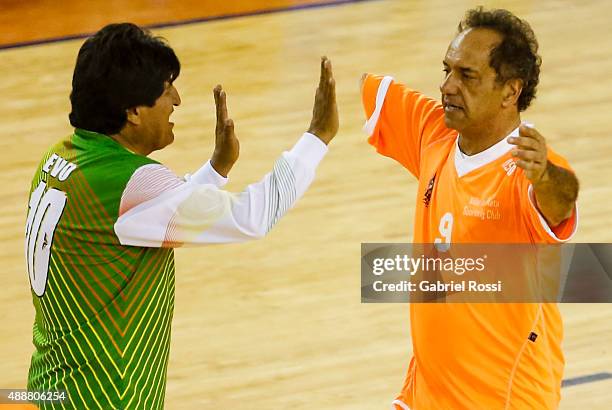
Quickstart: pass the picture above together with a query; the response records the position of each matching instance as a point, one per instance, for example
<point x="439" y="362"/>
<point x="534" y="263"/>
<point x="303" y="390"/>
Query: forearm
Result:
<point x="197" y="213"/>
<point x="556" y="193"/>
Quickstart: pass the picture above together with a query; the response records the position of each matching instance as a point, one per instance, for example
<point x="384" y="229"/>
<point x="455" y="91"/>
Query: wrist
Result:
<point x="545" y="177"/>
<point x="220" y="167"/>
<point x="320" y="135"/>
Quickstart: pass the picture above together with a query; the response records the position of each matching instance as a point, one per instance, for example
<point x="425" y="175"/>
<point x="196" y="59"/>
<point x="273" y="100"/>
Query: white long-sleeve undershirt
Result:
<point x="159" y="209"/>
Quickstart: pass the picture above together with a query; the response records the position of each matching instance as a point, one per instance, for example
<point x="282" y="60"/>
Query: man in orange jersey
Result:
<point x="483" y="177"/>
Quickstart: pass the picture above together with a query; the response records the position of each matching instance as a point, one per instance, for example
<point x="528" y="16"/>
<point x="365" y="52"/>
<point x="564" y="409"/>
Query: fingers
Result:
<point x="322" y="77"/>
<point x="532" y="171"/>
<point x="527" y="131"/>
<point x="228" y="128"/>
<point x="330" y="82"/>
<point x="326" y="91"/>
<point x="528" y="165"/>
<point x="324" y="123"/>
<point x="326" y="79"/>
<point x="220" y="104"/>
<point x="530" y="145"/>
<point x="529" y="155"/>
<point x="528" y="136"/>
<point x="525" y="143"/>
<point x="530" y="151"/>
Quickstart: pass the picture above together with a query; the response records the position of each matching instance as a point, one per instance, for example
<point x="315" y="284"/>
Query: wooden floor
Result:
<point x="278" y="323"/>
<point x="53" y="21"/>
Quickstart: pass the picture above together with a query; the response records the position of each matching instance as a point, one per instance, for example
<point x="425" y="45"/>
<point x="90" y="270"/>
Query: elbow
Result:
<point x="253" y="230"/>
<point x="555" y="222"/>
<point x="259" y="232"/>
<point x="120" y="232"/>
<point x="557" y="219"/>
<point x="568" y="214"/>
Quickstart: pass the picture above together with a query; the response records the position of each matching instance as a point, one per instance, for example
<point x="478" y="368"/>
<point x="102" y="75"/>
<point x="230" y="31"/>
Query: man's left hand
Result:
<point x="555" y="188"/>
<point x="227" y="146"/>
<point x="531" y="153"/>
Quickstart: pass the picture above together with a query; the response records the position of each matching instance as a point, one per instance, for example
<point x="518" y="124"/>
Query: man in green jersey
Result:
<point x="103" y="219"/>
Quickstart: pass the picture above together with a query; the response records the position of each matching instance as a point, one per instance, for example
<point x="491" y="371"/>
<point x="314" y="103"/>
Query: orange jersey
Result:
<point x="468" y="355"/>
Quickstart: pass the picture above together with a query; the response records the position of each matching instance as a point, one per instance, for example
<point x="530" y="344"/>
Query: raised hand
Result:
<point x="324" y="123"/>
<point x="555" y="188"/>
<point x="227" y="147"/>
<point x="531" y="153"/>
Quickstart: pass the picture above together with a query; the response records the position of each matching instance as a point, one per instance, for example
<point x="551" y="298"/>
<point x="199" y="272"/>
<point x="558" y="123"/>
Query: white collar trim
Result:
<point x="467" y="163"/>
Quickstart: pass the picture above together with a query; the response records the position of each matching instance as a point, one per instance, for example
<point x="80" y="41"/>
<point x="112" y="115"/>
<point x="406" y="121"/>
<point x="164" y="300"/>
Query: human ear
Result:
<point x="133" y="115"/>
<point x="511" y="92"/>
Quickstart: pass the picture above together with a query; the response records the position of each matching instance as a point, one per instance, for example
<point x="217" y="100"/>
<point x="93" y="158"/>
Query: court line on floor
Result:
<point x="589" y="378"/>
<point x="330" y="3"/>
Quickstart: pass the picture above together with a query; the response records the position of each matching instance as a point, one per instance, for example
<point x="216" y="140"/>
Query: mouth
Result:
<point x="170" y="122"/>
<point x="448" y="107"/>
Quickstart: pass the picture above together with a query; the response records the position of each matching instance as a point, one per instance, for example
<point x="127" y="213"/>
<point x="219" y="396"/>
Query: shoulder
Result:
<point x="441" y="145"/>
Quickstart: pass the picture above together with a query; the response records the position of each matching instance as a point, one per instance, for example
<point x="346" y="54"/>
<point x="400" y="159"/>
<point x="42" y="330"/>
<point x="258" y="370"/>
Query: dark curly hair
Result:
<point x="517" y="54"/>
<point x="122" y="66"/>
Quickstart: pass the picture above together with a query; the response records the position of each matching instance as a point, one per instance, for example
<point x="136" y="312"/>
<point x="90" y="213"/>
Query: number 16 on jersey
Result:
<point x="45" y="210"/>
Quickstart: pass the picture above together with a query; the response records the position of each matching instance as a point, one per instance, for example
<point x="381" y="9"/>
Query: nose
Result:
<point x="176" y="98"/>
<point x="449" y="84"/>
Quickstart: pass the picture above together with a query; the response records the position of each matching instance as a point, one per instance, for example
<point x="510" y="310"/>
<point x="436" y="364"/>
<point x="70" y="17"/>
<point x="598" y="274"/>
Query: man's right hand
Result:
<point x="227" y="147"/>
<point x="324" y="122"/>
<point x="361" y="82"/>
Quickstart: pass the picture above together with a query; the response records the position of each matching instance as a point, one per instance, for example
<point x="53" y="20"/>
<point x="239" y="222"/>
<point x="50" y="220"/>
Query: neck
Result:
<point x="127" y="141"/>
<point x="473" y="142"/>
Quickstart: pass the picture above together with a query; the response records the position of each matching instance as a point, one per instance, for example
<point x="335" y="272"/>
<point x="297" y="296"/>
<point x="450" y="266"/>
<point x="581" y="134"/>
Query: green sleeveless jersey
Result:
<point x="103" y="310"/>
